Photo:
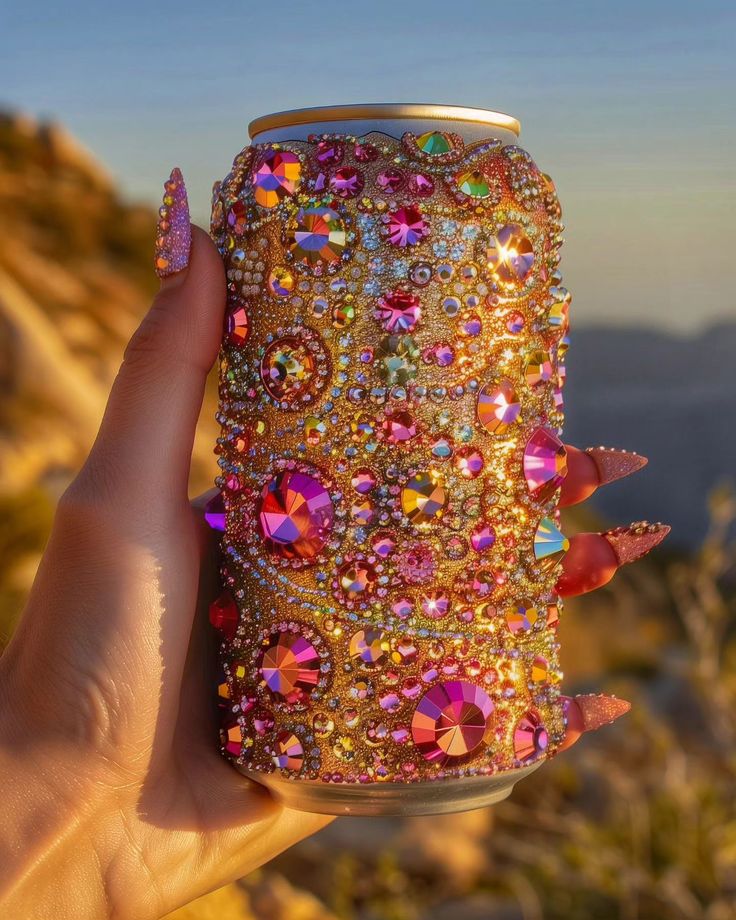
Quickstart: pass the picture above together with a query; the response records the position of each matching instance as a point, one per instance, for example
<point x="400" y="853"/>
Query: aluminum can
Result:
<point x="391" y="458"/>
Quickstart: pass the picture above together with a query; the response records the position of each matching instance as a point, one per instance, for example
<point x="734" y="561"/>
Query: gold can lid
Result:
<point x="385" y="110"/>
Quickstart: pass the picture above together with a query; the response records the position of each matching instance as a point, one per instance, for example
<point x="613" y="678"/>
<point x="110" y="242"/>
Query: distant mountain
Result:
<point x="668" y="397"/>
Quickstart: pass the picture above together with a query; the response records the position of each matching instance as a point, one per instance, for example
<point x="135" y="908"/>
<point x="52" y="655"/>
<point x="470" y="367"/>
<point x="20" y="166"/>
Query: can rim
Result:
<point x="384" y="110"/>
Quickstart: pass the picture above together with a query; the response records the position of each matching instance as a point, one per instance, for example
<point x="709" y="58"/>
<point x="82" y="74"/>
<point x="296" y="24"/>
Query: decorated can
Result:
<point x="391" y="410"/>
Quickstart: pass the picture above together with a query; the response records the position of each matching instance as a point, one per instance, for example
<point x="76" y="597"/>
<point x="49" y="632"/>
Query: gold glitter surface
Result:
<point x="399" y="552"/>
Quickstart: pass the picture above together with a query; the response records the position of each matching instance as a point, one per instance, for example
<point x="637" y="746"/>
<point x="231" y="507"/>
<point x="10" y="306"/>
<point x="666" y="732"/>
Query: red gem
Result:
<point x="364" y="153"/>
<point x="398" y="311"/>
<point x="237" y="325"/>
<point x="347" y="182"/>
<point x="407" y="226"/>
<point x="390" y="180"/>
<point x="329" y="153"/>
<point x="295" y="515"/>
<point x="236" y="218"/>
<point x="421" y="186"/>
<point x="290" y="666"/>
<point x="451" y="720"/>
<point x="224" y="614"/>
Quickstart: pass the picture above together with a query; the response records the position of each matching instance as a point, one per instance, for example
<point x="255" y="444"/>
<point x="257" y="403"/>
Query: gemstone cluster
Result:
<point x="391" y="412"/>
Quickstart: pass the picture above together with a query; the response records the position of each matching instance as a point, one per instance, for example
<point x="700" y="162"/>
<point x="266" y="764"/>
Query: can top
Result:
<point x="384" y="110"/>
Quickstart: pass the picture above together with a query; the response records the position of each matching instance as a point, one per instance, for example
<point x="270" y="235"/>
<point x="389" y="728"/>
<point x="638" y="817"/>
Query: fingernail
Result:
<point x="632" y="542"/>
<point x="587" y="712"/>
<point x="614" y="464"/>
<point x="174" y="237"/>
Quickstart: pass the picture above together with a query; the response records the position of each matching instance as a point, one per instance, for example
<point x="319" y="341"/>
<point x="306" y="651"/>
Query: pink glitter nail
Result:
<point x="614" y="464"/>
<point x="632" y="542"/>
<point x="174" y="237"/>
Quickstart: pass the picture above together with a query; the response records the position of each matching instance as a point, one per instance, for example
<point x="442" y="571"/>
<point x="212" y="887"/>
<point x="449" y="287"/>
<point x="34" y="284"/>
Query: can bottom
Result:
<point x="397" y="799"/>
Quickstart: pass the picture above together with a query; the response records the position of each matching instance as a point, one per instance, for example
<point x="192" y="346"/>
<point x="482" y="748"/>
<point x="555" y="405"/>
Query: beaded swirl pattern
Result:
<point x="390" y="453"/>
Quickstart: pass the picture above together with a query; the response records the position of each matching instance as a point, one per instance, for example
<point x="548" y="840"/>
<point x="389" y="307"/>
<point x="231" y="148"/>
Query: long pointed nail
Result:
<point x="632" y="542"/>
<point x="174" y="237"/>
<point x="587" y="712"/>
<point x="613" y="464"/>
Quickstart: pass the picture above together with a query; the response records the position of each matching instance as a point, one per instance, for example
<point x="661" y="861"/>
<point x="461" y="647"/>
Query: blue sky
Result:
<point x="630" y="106"/>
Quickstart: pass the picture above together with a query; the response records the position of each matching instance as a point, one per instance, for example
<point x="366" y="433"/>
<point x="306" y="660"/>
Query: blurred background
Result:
<point x="630" y="107"/>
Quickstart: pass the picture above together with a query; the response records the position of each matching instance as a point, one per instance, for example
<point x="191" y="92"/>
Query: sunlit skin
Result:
<point x="116" y="800"/>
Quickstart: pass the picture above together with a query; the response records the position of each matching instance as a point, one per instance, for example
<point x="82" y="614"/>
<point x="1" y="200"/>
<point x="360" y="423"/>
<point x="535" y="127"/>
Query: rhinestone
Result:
<point x="319" y="236"/>
<point x="538" y="368"/>
<point x="231" y="737"/>
<point x="423" y="498"/>
<point x="281" y="282"/>
<point x="288" y="753"/>
<point x="530" y="737"/>
<point x="522" y="617"/>
<point x="237" y="325"/>
<point x="550" y="544"/>
<point x="214" y="512"/>
<point x="287" y="368"/>
<point x="469" y="462"/>
<point x="277" y="177"/>
<point x="498" y="407"/>
<point x="347" y="182"/>
<point x="363" y="481"/>
<point x="482" y="538"/>
<point x="434" y="142"/>
<point x="545" y="464"/>
<point x="357" y="579"/>
<point x="451" y="720"/>
<point x="390" y="180"/>
<point x="398" y="311"/>
<point x="370" y="647"/>
<point x="295" y="515"/>
<point x="289" y="666"/>
<point x="474" y="184"/>
<point x="510" y="255"/>
<point x="407" y="226"/>
<point x="399" y="427"/>
<point x="224" y="614"/>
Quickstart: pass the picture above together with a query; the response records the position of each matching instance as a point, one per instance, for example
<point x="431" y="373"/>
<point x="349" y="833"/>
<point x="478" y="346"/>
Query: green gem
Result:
<point x="434" y="142"/>
<point x="474" y="184"/>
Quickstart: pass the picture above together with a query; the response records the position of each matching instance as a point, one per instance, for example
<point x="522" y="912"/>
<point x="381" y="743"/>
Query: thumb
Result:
<point x="143" y="449"/>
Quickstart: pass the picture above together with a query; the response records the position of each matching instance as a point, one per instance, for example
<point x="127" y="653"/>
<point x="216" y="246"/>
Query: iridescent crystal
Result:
<point x="522" y="617"/>
<point x="545" y="464"/>
<point x="452" y="720"/>
<point x="530" y="737"/>
<point x="288" y="753"/>
<point x="538" y="367"/>
<point x="370" y="647"/>
<point x="357" y="579"/>
<point x="287" y="368"/>
<point x="281" y="281"/>
<point x="295" y="515"/>
<point x="498" y="406"/>
<point x="347" y="182"/>
<point x="214" y="512"/>
<point x="224" y="614"/>
<point x="237" y="218"/>
<point x="237" y="325"/>
<point x="363" y="481"/>
<point x="473" y="184"/>
<point x="423" y="498"/>
<point x="482" y="538"/>
<point x="469" y="462"/>
<point x="399" y="427"/>
<point x="390" y="180"/>
<point x="407" y="226"/>
<point x="398" y="311"/>
<point x="396" y="357"/>
<point x="434" y="142"/>
<point x="289" y="666"/>
<point x="550" y="544"/>
<point x="277" y="177"/>
<point x="510" y="255"/>
<point x="231" y="737"/>
<point x="318" y="237"/>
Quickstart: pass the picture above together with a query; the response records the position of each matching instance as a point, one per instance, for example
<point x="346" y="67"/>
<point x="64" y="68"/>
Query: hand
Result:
<point x="116" y="800"/>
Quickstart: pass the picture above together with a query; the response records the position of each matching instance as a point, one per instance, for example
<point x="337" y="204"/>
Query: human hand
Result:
<point x="117" y="802"/>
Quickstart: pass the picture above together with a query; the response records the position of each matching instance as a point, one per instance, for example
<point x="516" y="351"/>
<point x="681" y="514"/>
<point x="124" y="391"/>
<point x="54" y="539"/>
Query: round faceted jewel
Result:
<point x="288" y="753"/>
<point x="550" y="544"/>
<point x="498" y="407"/>
<point x="281" y="281"/>
<point x="434" y="142"/>
<point x="363" y="480"/>
<point x="545" y="464"/>
<point x="231" y="737"/>
<point x="318" y="237"/>
<point x="530" y="737"/>
<point x="370" y="647"/>
<point x="215" y="513"/>
<point x="287" y="367"/>
<point x="357" y="579"/>
<point x="423" y="498"/>
<point x="237" y="325"/>
<point x="295" y="515"/>
<point x="522" y="617"/>
<point x="276" y="178"/>
<point x="398" y="311"/>
<point x="474" y="184"/>
<point x="510" y="255"/>
<point x="224" y="614"/>
<point x="399" y="427"/>
<point x="347" y="182"/>
<point x="452" y="720"/>
<point x="538" y="367"/>
<point x="289" y="666"/>
<point x="407" y="226"/>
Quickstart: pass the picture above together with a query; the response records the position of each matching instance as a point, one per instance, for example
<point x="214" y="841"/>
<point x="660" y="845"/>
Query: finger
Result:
<point x="144" y="446"/>
<point x="593" y="558"/>
<point x="589" y="469"/>
<point x="588" y="712"/>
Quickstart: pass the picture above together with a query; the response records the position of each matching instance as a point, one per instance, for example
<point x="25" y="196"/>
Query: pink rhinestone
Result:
<point x="399" y="427"/>
<point x="435" y="605"/>
<point x="363" y="481"/>
<point x="347" y="182"/>
<point x="390" y="180"/>
<point x="451" y="720"/>
<point x="545" y="464"/>
<point x="530" y="737"/>
<point x="407" y="226"/>
<point x="329" y="153"/>
<point x="398" y="311"/>
<point x="422" y="186"/>
<point x="469" y="462"/>
<point x="482" y="538"/>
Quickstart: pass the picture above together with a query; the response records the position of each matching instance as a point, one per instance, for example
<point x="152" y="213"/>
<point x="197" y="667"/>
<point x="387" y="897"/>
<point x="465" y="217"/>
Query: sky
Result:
<point x="630" y="106"/>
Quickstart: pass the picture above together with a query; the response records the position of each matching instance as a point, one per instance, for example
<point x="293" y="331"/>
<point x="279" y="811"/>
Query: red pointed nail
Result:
<point x="174" y="235"/>
<point x="613" y="464"/>
<point x="587" y="712"/>
<point x="632" y="542"/>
